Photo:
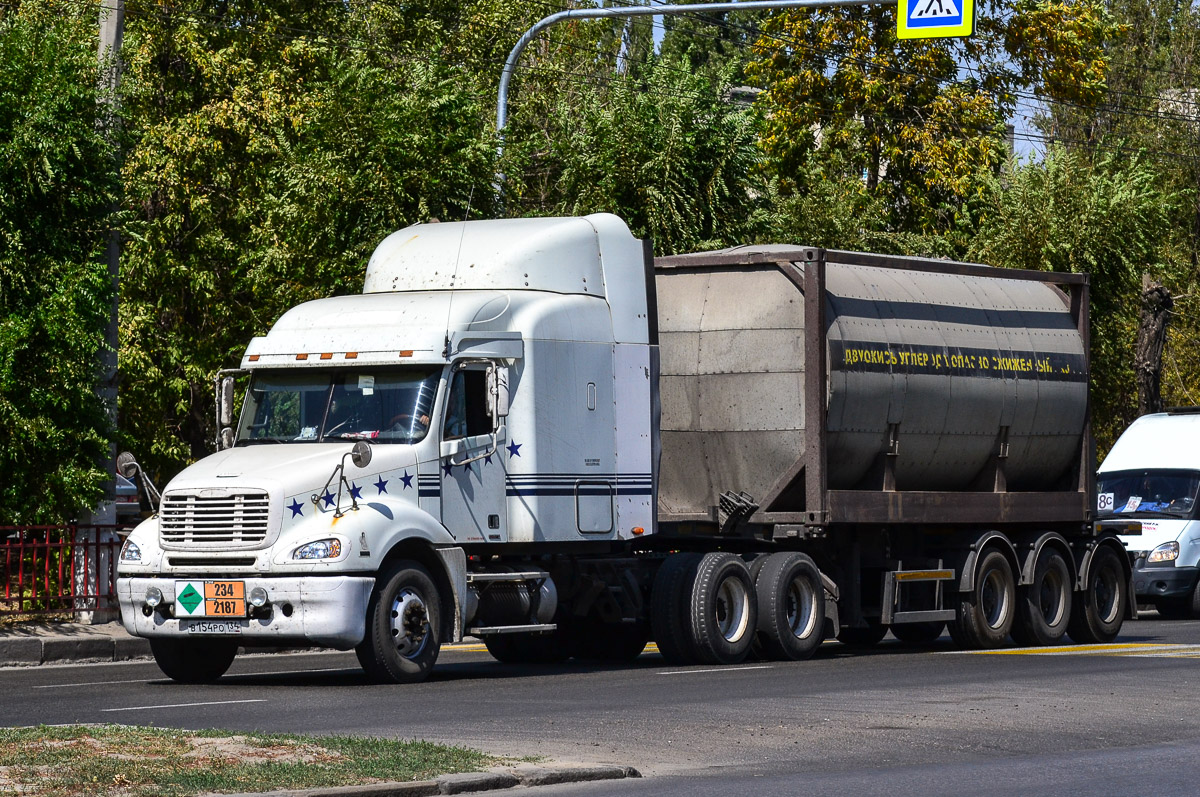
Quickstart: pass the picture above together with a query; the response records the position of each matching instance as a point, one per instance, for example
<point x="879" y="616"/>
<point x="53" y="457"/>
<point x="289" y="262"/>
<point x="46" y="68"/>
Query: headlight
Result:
<point x="1167" y="552"/>
<point x="321" y="549"/>
<point x="130" y="552"/>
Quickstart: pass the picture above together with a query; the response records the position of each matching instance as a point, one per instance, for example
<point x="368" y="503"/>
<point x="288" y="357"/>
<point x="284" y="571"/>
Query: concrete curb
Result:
<point x="463" y="783"/>
<point x="34" y="650"/>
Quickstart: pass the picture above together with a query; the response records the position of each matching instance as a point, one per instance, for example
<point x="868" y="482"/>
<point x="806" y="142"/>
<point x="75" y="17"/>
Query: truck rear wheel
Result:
<point x="1099" y="609"/>
<point x="670" y="605"/>
<point x="1044" y="607"/>
<point x="724" y="612"/>
<point x="985" y="616"/>
<point x="403" y="636"/>
<point x="192" y="661"/>
<point x="791" y="607"/>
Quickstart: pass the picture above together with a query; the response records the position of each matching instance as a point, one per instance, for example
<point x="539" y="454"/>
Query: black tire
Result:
<point x="526" y="648"/>
<point x="724" y="612"/>
<point x="791" y="608"/>
<point x="404" y="628"/>
<point x="862" y="637"/>
<point x="985" y="616"/>
<point x="918" y="633"/>
<point x="670" y="608"/>
<point x="1044" y="607"/>
<point x="1099" y="610"/>
<point x="609" y="643"/>
<point x="193" y="661"/>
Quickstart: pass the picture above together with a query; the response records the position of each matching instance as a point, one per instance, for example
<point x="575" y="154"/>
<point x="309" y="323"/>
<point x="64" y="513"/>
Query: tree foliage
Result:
<point x="57" y="187"/>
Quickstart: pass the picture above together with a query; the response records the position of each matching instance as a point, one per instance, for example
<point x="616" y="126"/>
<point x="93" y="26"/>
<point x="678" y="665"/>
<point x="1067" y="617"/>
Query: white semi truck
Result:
<point x="530" y="431"/>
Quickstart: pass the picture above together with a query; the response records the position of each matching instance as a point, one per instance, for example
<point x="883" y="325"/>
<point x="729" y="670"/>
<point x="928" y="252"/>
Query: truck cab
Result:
<point x="486" y="398"/>
<point x="1152" y="475"/>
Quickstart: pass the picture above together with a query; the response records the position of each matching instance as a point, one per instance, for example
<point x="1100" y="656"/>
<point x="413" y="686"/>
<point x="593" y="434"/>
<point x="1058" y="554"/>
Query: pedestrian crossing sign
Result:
<point x="935" y="19"/>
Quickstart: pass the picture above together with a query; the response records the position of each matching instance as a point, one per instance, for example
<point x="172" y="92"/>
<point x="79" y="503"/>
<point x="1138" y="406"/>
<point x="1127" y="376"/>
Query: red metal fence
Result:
<point x="56" y="569"/>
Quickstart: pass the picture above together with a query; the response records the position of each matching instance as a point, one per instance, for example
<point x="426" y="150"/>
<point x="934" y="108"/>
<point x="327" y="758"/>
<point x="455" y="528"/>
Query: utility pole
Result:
<point x="92" y="559"/>
<point x="112" y="32"/>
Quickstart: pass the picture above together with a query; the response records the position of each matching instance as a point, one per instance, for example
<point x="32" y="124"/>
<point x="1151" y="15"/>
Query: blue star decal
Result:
<point x="407" y="480"/>
<point x="355" y="492"/>
<point x="296" y="507"/>
<point x="381" y="485"/>
<point x="514" y="449"/>
<point x="447" y="467"/>
<point x="487" y="460"/>
<point x="328" y="499"/>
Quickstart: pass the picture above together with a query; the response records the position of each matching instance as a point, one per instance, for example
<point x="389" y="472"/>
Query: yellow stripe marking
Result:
<point x="1117" y="649"/>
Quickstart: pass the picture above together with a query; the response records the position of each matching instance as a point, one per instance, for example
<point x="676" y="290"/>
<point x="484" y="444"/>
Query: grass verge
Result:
<point x="128" y="761"/>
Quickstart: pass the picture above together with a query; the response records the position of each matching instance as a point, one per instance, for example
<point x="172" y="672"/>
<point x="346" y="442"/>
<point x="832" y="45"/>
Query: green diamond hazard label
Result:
<point x="189" y="598"/>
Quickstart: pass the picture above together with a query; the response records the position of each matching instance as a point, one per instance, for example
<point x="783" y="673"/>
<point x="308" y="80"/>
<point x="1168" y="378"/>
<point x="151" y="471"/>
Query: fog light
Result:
<point x="153" y="597"/>
<point x="258" y="597"/>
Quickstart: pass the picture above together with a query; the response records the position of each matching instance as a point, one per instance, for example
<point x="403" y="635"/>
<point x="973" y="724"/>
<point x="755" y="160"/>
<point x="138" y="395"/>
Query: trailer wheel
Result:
<point x="723" y="609"/>
<point x="670" y="605"/>
<point x="1099" y="609"/>
<point x="985" y="616"/>
<point x="404" y="616"/>
<point x="918" y="633"/>
<point x="191" y="661"/>
<point x="526" y="648"/>
<point x="791" y="607"/>
<point x="1044" y="607"/>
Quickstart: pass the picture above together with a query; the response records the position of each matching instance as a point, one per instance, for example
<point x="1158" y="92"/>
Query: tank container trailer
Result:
<point x="533" y="432"/>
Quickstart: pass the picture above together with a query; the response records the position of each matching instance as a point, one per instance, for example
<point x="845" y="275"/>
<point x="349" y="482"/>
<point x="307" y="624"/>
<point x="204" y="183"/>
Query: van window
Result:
<point x="1147" y="493"/>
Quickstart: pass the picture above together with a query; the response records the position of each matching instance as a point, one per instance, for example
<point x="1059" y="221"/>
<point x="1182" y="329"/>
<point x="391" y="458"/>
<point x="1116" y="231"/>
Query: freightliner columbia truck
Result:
<point x="532" y="432"/>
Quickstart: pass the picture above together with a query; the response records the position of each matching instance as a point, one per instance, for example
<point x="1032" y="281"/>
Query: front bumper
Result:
<point x="329" y="611"/>
<point x="1151" y="583"/>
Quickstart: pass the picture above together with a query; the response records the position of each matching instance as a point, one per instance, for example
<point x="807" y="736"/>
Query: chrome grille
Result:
<point x="235" y="518"/>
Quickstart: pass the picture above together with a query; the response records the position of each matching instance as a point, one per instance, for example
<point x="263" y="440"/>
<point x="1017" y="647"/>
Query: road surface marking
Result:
<point x="1133" y="649"/>
<point x="185" y="705"/>
<point x="717" y="669"/>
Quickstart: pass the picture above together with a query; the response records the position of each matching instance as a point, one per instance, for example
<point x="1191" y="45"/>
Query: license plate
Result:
<point x="213" y="626"/>
<point x="210" y="599"/>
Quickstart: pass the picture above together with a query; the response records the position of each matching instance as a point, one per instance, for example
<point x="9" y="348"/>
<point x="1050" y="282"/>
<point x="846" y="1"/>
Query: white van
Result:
<point x="1152" y="475"/>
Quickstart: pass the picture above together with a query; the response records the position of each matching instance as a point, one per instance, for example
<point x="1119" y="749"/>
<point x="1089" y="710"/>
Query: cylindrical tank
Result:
<point x="948" y="371"/>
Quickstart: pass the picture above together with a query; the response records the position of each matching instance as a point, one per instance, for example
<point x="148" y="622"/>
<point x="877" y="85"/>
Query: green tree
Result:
<point x="277" y="145"/>
<point x="57" y="185"/>
<point x="918" y="122"/>
<point x="1107" y="219"/>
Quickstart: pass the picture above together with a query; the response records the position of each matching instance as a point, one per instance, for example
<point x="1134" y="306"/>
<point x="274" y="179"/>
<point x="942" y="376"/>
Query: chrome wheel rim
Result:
<point x="409" y="623"/>
<point x="732" y="609"/>
<point x="801" y="608"/>
<point x="1052" y="598"/>
<point x="994" y="599"/>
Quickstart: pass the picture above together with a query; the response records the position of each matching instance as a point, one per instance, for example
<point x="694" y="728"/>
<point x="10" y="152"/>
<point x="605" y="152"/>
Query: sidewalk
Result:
<point x="29" y="644"/>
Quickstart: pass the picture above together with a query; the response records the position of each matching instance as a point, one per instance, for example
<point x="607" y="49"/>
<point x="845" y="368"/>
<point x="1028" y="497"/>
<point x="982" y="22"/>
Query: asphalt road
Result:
<point x="1122" y="719"/>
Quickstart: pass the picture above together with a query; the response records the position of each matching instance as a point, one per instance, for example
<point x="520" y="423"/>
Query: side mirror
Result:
<point x="497" y="382"/>
<point x="360" y="455"/>
<point x="127" y="465"/>
<point x="225" y="402"/>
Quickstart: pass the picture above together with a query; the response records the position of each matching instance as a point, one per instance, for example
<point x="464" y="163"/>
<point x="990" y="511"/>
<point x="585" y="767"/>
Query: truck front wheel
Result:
<point x="192" y="661"/>
<point x="403" y="635"/>
<point x="985" y="615"/>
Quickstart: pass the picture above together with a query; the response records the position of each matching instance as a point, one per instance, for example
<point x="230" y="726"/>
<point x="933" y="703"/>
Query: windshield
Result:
<point x="1155" y="493"/>
<point x="382" y="405"/>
